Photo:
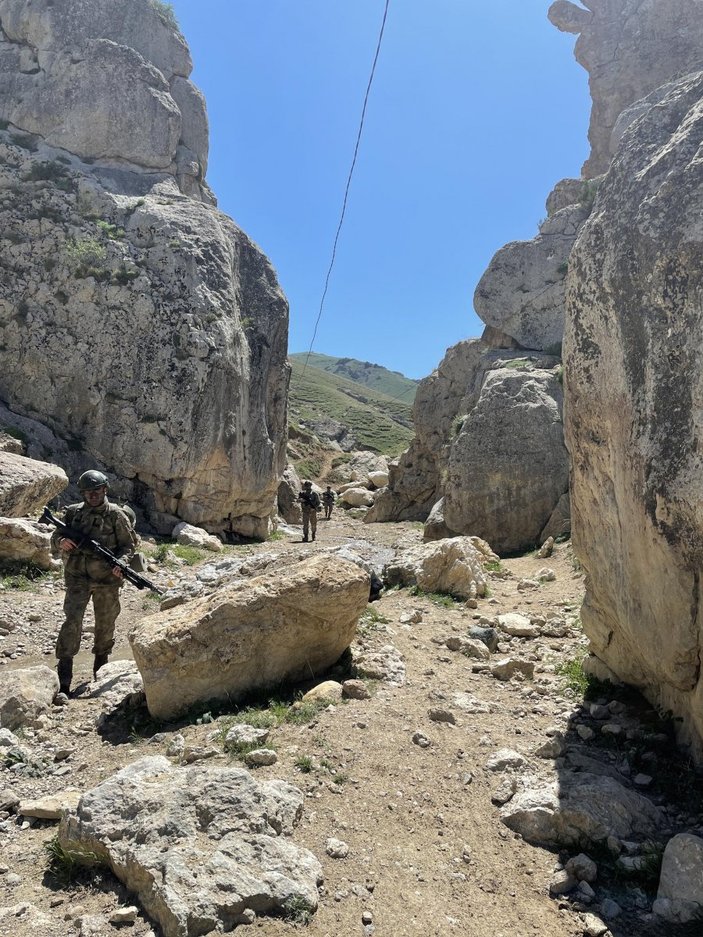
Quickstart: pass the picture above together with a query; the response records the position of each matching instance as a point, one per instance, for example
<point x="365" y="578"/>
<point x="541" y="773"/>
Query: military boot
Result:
<point x="99" y="661"/>
<point x="64" y="669"/>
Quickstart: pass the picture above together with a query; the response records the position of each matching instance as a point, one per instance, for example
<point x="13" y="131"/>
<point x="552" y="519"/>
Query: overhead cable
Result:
<point x="349" y="179"/>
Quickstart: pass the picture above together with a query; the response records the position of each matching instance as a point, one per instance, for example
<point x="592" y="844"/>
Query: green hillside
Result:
<point x="373" y="376"/>
<point x="377" y="421"/>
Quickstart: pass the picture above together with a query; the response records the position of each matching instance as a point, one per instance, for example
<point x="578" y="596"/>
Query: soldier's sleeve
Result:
<point x="58" y="535"/>
<point x="125" y="535"/>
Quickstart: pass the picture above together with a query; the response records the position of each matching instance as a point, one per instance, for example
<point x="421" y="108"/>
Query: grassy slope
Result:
<point x="373" y="376"/>
<point x="376" y="421"/>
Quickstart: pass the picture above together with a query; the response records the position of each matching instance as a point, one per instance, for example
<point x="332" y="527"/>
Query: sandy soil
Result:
<point x="428" y="854"/>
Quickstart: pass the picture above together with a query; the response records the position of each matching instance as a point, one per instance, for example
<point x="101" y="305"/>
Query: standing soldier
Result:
<point x="88" y="576"/>
<point x="328" y="497"/>
<point x="310" y="501"/>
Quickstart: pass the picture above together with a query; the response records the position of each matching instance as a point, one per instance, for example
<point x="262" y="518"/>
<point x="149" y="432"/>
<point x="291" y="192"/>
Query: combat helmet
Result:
<point x="91" y="480"/>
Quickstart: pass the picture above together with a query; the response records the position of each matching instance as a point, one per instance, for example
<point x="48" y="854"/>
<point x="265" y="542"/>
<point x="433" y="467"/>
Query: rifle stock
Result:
<point x="83" y="541"/>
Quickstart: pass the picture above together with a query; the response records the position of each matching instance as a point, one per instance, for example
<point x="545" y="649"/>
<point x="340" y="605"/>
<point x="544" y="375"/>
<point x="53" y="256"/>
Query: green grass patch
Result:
<point x="517" y="364"/>
<point x="191" y="556"/>
<point x="309" y="468"/>
<point x="493" y="566"/>
<point x="443" y="599"/>
<point x="111" y="231"/>
<point x="23" y="577"/>
<point x="575" y="680"/>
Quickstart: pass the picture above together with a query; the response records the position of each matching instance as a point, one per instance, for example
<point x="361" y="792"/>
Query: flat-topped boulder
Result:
<point x="287" y="625"/>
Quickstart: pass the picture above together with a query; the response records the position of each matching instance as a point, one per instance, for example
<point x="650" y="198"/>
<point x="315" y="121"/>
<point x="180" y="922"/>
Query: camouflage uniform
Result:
<point x="87" y="576"/>
<point x="310" y="504"/>
<point x="328" y="498"/>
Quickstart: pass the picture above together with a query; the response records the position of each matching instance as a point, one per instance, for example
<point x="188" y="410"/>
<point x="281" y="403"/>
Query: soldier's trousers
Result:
<point x="106" y="607"/>
<point x="309" y="521"/>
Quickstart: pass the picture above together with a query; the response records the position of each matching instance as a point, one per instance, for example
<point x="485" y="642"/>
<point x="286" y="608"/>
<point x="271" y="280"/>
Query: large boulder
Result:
<point x="633" y="387"/>
<point x="508" y="466"/>
<point x="680" y="892"/>
<point x="198" y="846"/>
<point x="580" y="809"/>
<point x="629" y="48"/>
<point x="111" y="73"/>
<point x="27" y="485"/>
<point x="25" y="695"/>
<point x="288" y="625"/>
<point x="453" y="566"/>
<point x="23" y="541"/>
<point x="522" y="291"/>
<point x="139" y="323"/>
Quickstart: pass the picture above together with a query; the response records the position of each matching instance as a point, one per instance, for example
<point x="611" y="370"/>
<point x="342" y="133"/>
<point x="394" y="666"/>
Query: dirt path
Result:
<point x="428" y="854"/>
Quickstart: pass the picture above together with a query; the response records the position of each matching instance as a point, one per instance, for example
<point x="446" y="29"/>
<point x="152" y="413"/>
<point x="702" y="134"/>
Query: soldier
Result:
<point x="310" y="501"/>
<point x="87" y="576"/>
<point x="328" y="498"/>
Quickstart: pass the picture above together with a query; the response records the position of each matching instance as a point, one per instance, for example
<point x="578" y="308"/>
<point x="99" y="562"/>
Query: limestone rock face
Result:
<point x="27" y="485"/>
<point x="253" y="634"/>
<point x="139" y="323"/>
<point x="116" y="74"/>
<point x="522" y="291"/>
<point x="508" y="467"/>
<point x="197" y="845"/>
<point x="680" y="893"/>
<point x="633" y="375"/>
<point x="629" y="48"/>
<point x="289" y="488"/>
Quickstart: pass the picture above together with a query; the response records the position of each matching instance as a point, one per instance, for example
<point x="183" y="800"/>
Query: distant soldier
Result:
<point x="87" y="576"/>
<point x="328" y="499"/>
<point x="310" y="502"/>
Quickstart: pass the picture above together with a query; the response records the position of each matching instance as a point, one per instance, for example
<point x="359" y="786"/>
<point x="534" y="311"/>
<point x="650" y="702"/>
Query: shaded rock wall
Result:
<point x="634" y="400"/>
<point x="139" y="323"/>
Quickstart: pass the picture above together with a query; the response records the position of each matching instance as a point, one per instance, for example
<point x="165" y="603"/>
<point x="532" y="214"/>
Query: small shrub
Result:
<point x="16" y="433"/>
<point x="304" y="764"/>
<point x="588" y="193"/>
<point x="110" y="231"/>
<point x="124" y="276"/>
<point x="563" y="269"/>
<point x="560" y="374"/>
<point x="67" y="862"/>
<point x="166" y="13"/>
<point x="493" y="566"/>
<point x="575" y="680"/>
<point x="189" y="555"/>
<point x="86" y="255"/>
<point x="53" y="171"/>
<point x="298" y="911"/>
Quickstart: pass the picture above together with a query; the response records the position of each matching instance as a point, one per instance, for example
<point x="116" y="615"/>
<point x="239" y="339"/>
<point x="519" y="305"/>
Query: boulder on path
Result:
<point x="453" y="566"/>
<point x="680" y="893"/>
<point x="580" y="809"/>
<point x="189" y="536"/>
<point x="253" y="634"/>
<point x="199" y="846"/>
<point x="25" y="695"/>
<point x="26" y="485"/>
<point x="357" y="497"/>
<point x="24" y="541"/>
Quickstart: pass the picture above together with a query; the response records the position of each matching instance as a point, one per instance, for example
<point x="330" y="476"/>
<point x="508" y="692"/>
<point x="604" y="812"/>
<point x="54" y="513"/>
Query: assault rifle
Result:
<point x="84" y="542"/>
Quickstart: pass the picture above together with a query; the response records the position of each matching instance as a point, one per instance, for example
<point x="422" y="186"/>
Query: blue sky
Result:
<point x="477" y="109"/>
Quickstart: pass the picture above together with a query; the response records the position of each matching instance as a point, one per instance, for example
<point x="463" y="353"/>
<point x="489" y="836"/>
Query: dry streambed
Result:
<point x="416" y="804"/>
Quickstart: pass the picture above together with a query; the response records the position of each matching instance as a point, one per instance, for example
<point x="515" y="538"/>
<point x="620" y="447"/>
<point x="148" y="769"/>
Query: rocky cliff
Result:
<point x="138" y="322"/>
<point x="485" y="459"/>
<point x="635" y="420"/>
<point x="629" y="48"/>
